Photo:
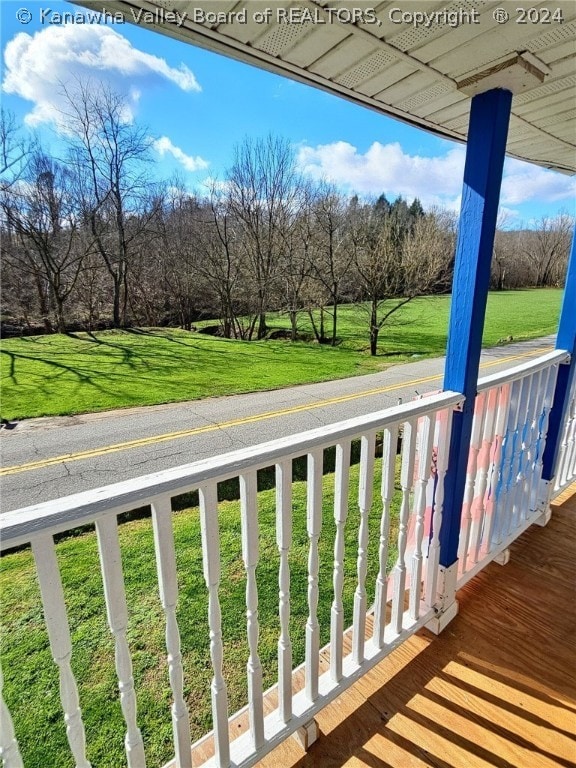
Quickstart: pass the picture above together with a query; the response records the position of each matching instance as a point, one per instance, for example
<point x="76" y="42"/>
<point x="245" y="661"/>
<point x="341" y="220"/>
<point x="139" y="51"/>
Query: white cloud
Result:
<point x="507" y="216"/>
<point x="212" y="184"/>
<point x="386" y="168"/>
<point x="163" y="145"/>
<point x="524" y="182"/>
<point x="37" y="66"/>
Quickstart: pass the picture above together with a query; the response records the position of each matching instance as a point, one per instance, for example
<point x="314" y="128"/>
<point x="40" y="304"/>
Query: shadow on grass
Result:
<point x="127" y="356"/>
<point x="84" y="378"/>
<point x="243" y="348"/>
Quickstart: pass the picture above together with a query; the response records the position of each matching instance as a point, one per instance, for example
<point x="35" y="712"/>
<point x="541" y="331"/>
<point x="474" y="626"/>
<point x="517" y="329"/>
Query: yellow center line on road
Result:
<point x="94" y="452"/>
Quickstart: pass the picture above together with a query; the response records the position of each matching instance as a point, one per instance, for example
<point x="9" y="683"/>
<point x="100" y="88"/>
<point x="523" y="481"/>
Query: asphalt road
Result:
<point x="43" y="459"/>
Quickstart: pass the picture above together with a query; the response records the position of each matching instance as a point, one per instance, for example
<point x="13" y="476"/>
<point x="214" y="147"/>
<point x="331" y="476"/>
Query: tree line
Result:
<point x="94" y="240"/>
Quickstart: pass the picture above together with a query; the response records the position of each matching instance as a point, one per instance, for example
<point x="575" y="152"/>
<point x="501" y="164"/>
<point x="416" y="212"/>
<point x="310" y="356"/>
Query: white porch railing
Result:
<point x="420" y="424"/>
<point x="503" y="496"/>
<point x="501" y="501"/>
<point x="566" y="470"/>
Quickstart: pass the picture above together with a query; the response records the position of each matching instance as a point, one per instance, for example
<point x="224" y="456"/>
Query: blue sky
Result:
<point x="198" y="105"/>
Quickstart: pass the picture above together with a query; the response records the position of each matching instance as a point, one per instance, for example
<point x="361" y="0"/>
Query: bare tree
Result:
<point x="547" y="248"/>
<point x="300" y="240"/>
<point x="262" y="192"/>
<point x="109" y="154"/>
<point x="174" y="255"/>
<point x="333" y="255"/>
<point x="92" y="296"/>
<point x="220" y="246"/>
<point x="389" y="276"/>
<point x="316" y="298"/>
<point x="377" y="269"/>
<point x="500" y="260"/>
<point x="428" y="253"/>
<point x="43" y="218"/>
<point x="20" y="290"/>
<point x="510" y="266"/>
<point x="15" y="151"/>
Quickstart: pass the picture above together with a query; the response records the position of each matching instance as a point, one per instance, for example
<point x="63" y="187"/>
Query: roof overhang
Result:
<point x="420" y="69"/>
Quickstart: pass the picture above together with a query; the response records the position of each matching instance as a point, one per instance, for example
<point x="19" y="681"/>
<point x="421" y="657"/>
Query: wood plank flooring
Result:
<point x="496" y="689"/>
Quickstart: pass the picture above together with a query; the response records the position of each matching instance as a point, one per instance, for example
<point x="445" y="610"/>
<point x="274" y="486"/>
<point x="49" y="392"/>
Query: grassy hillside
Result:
<point x="422" y="326"/>
<point x="82" y="372"/>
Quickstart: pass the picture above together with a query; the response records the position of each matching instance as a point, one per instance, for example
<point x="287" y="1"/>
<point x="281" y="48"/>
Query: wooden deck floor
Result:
<point x="497" y="688"/>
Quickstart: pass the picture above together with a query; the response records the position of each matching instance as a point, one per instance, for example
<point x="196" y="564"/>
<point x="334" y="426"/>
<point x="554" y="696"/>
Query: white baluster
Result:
<point x="426" y="438"/>
<point x="60" y="643"/>
<point x="249" y="515"/>
<point x="389" y="443"/>
<point x="478" y="524"/>
<point x="168" y="587"/>
<point x="284" y="540"/>
<point x="549" y="390"/>
<point x="531" y="481"/>
<point x="526" y="469"/>
<point x="365" y="493"/>
<point x="443" y="430"/>
<point x="518" y="460"/>
<point x="117" y="612"/>
<point x="471" y="470"/>
<point x="569" y="464"/>
<point x="571" y="453"/>
<point x="211" y="562"/>
<point x="508" y="456"/>
<point x="570" y="472"/>
<point x="9" y="751"/>
<point x="497" y="471"/>
<point x="567" y="471"/>
<point x="406" y="478"/>
<point x="313" y="526"/>
<point x="341" y="487"/>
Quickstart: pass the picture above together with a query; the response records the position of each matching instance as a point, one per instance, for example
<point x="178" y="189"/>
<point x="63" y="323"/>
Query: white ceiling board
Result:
<point x="342" y="57"/>
<point x="315" y="44"/>
<point x="560" y="85"/>
<point x="410" y="38"/>
<point x="361" y="75"/>
<point x="548" y="105"/>
<point x="406" y="89"/>
<point x="403" y="70"/>
<point x="568" y="117"/>
<point x="429" y="107"/>
<point x="390" y="75"/>
<point x="497" y="41"/>
<point x="459" y="36"/>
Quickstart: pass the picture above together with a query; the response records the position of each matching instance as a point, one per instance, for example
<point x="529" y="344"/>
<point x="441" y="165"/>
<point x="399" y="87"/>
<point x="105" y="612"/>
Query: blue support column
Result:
<point x="487" y="133"/>
<point x="565" y="339"/>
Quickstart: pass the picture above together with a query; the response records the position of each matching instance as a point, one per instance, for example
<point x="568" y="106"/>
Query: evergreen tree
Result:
<point x="382" y="206"/>
<point x="415" y="210"/>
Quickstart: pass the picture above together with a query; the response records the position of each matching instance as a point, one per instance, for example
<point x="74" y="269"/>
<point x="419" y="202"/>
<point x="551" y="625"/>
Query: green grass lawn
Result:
<point x="78" y="373"/>
<point x="422" y="326"/>
<point x="30" y="675"/>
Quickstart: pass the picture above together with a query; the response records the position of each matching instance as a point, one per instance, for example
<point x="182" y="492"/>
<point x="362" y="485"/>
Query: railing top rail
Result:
<point x="524" y="369"/>
<point x="19" y="526"/>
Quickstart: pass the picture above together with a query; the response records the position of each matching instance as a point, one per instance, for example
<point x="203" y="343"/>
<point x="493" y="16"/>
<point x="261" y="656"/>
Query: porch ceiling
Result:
<point x="399" y="69"/>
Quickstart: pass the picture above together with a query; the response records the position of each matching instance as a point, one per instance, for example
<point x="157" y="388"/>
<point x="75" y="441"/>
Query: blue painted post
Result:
<point x="487" y="133"/>
<point x="565" y="339"/>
